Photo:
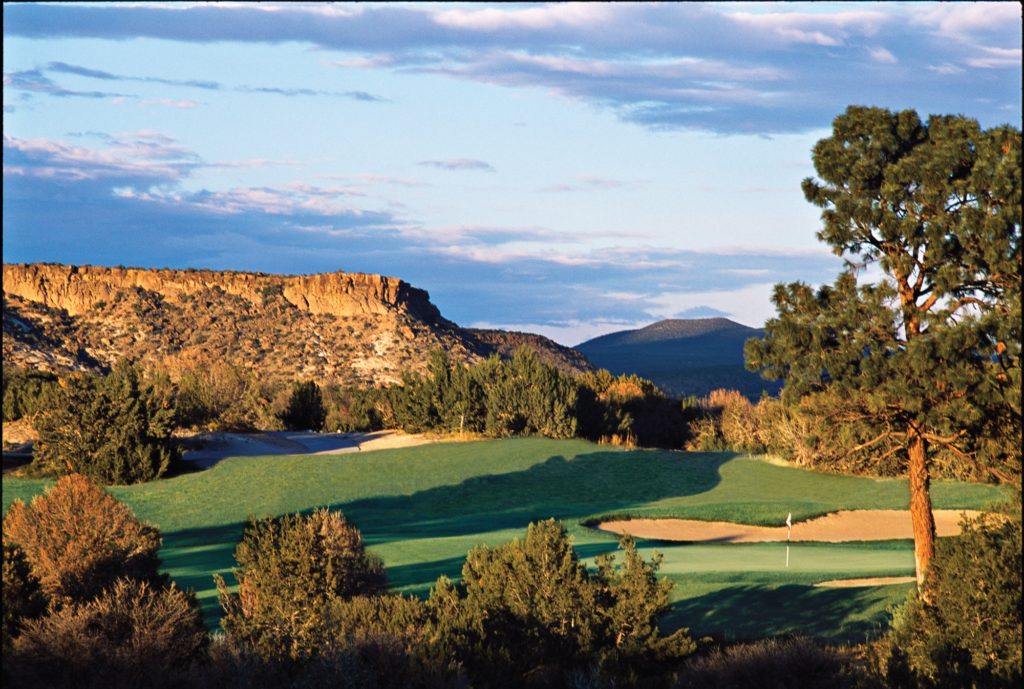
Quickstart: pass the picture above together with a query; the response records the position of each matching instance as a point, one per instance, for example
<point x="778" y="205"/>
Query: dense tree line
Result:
<point x="524" y="396"/>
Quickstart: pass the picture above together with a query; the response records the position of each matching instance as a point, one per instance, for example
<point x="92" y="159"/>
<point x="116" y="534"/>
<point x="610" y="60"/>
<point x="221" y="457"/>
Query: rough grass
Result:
<point x="422" y="508"/>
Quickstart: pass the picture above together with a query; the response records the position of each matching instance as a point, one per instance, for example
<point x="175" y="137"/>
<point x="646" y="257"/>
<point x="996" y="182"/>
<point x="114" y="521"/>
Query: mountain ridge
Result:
<point x="682" y="356"/>
<point x="354" y="328"/>
<point x="669" y="329"/>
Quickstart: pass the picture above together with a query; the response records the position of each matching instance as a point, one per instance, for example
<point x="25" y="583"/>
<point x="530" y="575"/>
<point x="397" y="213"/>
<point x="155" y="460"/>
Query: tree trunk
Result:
<point x="921" y="506"/>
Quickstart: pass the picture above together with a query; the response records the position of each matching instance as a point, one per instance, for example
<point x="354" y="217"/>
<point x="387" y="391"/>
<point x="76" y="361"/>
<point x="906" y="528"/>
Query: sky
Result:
<point x="567" y="169"/>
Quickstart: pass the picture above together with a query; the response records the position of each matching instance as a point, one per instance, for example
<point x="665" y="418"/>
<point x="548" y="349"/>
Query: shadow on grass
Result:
<point x="558" y="488"/>
<point x="748" y="612"/>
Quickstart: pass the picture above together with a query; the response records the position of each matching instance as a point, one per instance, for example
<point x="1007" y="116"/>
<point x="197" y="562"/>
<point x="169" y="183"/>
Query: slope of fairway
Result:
<point x="422" y="508"/>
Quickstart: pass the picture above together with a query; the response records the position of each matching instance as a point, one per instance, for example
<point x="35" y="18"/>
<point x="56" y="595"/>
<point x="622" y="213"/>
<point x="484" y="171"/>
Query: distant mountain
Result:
<point x="347" y="327"/>
<point x="683" y="357"/>
<point x="504" y="342"/>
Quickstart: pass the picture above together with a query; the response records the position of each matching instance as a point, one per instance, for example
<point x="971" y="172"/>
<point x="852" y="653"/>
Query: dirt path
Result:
<point x="850" y="525"/>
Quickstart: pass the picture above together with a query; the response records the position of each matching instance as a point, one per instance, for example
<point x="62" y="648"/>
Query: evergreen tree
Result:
<point x="291" y="570"/>
<point x="528" y="613"/>
<point x="971" y="635"/>
<point x="527" y="396"/>
<point x="306" y="411"/>
<point x="921" y="366"/>
<point x="110" y="429"/>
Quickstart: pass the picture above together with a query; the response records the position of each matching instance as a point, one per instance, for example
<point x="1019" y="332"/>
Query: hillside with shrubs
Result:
<point x="349" y="328"/>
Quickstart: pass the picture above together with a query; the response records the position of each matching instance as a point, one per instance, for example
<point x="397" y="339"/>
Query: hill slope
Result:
<point x="683" y="357"/>
<point x="348" y="327"/>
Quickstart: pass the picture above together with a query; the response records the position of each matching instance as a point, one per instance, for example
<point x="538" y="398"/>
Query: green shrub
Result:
<point x="528" y="613"/>
<point x="221" y="396"/>
<point x="132" y="635"/>
<point x="352" y="409"/>
<point x="78" y="539"/>
<point x="27" y="392"/>
<point x="969" y="634"/>
<point x="305" y="411"/>
<point x="110" y="429"/>
<point x="291" y="569"/>
<point x="22" y="598"/>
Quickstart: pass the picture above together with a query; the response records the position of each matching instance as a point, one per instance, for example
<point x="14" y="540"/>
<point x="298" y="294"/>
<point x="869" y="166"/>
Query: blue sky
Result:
<point x="565" y="169"/>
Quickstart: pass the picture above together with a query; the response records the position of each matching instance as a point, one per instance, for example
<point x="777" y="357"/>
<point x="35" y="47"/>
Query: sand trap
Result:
<point x="866" y="581"/>
<point x="209" y="448"/>
<point x="849" y="525"/>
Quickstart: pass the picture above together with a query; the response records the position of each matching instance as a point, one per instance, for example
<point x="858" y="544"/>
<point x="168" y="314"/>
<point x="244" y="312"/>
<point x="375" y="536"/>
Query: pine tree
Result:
<point x="306" y="411"/>
<point x="291" y="570"/>
<point x="923" y="366"/>
<point x="110" y="429"/>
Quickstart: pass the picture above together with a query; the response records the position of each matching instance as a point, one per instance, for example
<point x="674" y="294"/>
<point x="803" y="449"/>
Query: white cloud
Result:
<point x="459" y="164"/>
<point x="880" y="54"/>
<point x="955" y="19"/>
<point x="946" y="69"/>
<point x="823" y="29"/>
<point x="181" y="104"/>
<point x="997" y="57"/>
<point x="575" y="14"/>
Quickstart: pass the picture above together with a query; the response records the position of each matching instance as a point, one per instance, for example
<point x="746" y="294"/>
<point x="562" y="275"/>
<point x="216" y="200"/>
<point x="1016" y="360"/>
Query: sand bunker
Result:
<point x="865" y="581"/>
<point x="209" y="448"/>
<point x="850" y="525"/>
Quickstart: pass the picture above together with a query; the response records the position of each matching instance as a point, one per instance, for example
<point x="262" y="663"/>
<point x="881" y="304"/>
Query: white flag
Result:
<point x="789" y="520"/>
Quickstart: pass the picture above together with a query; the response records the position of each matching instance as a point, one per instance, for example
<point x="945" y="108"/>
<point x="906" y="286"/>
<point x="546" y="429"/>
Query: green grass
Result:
<point x="422" y="508"/>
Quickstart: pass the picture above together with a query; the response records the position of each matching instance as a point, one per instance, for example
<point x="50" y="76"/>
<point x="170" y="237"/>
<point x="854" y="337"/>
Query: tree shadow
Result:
<point x="564" y="489"/>
<point x="747" y="612"/>
<point x="560" y="488"/>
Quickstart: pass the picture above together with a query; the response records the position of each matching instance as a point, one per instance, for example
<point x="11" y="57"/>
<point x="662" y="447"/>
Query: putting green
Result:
<point x="422" y="508"/>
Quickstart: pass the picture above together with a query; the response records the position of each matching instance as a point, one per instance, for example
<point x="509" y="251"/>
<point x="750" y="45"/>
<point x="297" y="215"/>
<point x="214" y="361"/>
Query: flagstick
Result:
<point x="789" y="533"/>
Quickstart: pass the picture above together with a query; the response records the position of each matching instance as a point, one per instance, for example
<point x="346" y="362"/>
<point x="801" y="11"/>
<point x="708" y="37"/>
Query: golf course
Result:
<point x="422" y="508"/>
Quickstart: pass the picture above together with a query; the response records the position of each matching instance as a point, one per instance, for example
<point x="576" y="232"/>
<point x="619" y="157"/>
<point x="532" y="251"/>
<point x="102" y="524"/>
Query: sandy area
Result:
<point x="866" y="581"/>
<point x="206" y="449"/>
<point x="850" y="525"/>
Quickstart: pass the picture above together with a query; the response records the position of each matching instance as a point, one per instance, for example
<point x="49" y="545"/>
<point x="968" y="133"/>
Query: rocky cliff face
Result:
<point x="77" y="289"/>
<point x="350" y="328"/>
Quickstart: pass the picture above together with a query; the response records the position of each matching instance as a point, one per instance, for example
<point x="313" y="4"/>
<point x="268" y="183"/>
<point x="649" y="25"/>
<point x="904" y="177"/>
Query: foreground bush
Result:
<point x="969" y="634"/>
<point x="291" y="570"/>
<point x="130" y="636"/>
<point x="528" y="613"/>
<point x="784" y="663"/>
<point x="78" y="539"/>
<point x="110" y="429"/>
<point x="22" y="598"/>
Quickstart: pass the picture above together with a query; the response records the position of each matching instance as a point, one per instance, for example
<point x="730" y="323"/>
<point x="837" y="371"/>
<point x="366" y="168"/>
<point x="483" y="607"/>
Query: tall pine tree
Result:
<point x="921" y="367"/>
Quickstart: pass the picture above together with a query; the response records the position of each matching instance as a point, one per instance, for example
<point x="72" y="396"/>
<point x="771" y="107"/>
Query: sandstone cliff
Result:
<point x="77" y="289"/>
<point x="346" y="327"/>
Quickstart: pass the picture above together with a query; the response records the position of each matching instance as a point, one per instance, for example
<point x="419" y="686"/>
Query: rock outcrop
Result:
<point x="77" y="289"/>
<point x="350" y="328"/>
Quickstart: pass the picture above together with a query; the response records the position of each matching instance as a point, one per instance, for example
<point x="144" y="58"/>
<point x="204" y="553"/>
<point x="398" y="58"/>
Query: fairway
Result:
<point x="422" y="508"/>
